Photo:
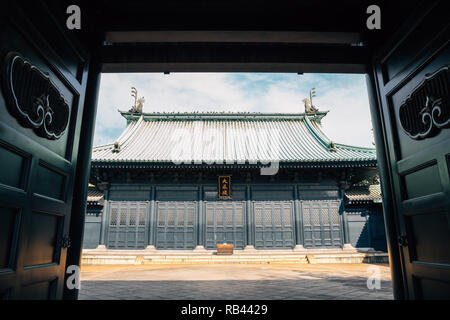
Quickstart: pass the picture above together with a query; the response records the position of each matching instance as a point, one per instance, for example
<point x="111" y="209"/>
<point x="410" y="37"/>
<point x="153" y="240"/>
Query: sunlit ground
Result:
<point x="237" y="282"/>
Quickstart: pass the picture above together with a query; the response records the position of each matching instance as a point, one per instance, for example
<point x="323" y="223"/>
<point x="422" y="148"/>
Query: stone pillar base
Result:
<point x="249" y="248"/>
<point x="199" y="248"/>
<point x="299" y="247"/>
<point x="101" y="247"/>
<point x="150" y="248"/>
<point x="348" y="247"/>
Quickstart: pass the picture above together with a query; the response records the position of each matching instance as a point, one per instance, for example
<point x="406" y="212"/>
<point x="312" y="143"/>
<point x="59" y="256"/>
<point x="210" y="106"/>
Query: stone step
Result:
<point x="257" y="258"/>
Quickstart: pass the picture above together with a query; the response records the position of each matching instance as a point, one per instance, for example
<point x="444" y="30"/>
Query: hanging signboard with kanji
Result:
<point x="224" y="186"/>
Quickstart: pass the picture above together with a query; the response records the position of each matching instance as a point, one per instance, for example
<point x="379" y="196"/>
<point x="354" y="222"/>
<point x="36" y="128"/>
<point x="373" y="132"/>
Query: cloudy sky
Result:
<point x="345" y="96"/>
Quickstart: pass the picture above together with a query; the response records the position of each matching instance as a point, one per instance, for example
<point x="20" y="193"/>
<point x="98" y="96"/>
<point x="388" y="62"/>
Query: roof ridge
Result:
<point x="220" y="112"/>
<point x="355" y="147"/>
<point x="316" y="135"/>
<point x="103" y="146"/>
<point x="128" y="132"/>
<point x="216" y="115"/>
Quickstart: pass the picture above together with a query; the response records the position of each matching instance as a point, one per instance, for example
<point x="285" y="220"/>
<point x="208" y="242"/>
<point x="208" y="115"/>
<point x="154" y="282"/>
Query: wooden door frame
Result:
<point x="165" y="58"/>
<point x="384" y="169"/>
<point x="79" y="202"/>
<point x="83" y="168"/>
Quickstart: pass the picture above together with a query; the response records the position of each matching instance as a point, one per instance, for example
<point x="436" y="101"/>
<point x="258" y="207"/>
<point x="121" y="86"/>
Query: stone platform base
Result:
<point x="140" y="257"/>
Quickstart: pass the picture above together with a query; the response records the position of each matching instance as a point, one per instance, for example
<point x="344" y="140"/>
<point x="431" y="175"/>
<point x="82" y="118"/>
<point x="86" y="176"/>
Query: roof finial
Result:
<point x="116" y="147"/>
<point x="309" y="107"/>
<point x="138" y="103"/>
<point x="332" y="147"/>
<point x="312" y="93"/>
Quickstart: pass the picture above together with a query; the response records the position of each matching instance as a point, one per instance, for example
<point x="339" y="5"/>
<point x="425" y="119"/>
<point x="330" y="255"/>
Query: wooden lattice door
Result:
<point x="274" y="227"/>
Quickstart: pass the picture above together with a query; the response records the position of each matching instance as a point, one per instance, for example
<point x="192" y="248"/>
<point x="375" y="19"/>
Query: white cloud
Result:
<point x="345" y="96"/>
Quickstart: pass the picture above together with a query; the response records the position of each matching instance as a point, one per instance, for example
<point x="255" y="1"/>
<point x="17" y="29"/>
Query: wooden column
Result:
<point x="298" y="222"/>
<point x="152" y="220"/>
<point x="345" y="227"/>
<point x="200" y="223"/>
<point x="250" y="243"/>
<point x="200" y="241"/>
<point x="105" y="215"/>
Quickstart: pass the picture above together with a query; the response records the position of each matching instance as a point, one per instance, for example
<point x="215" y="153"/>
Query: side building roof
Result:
<point x="364" y="194"/>
<point x="95" y="197"/>
<point x="172" y="139"/>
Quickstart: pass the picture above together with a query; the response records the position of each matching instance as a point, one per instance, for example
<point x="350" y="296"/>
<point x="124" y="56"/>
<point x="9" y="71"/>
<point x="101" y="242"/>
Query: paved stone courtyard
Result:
<point x="230" y="281"/>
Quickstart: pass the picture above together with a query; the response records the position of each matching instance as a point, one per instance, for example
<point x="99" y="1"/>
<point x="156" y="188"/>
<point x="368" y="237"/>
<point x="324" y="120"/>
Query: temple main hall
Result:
<point x="191" y="181"/>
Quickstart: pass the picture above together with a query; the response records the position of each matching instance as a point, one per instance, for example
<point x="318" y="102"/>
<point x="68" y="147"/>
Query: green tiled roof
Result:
<point x="370" y="193"/>
<point x="228" y="138"/>
<point x="95" y="197"/>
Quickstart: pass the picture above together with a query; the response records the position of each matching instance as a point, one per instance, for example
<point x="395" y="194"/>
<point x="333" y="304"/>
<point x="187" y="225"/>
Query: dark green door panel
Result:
<point x="415" y="110"/>
<point x="37" y="169"/>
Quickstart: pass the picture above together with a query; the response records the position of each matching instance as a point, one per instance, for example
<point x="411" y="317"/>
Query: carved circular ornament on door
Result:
<point x="33" y="99"/>
<point x="426" y="110"/>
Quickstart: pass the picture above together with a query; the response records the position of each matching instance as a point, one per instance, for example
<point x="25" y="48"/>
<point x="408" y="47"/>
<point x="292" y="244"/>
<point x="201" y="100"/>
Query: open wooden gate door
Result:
<point x="413" y="79"/>
<point x="43" y="84"/>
